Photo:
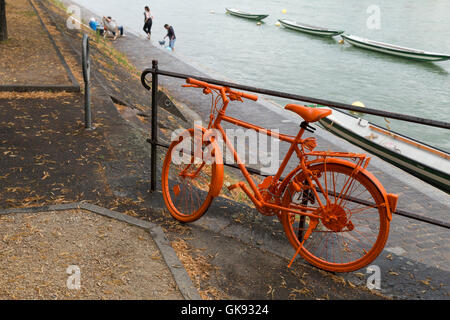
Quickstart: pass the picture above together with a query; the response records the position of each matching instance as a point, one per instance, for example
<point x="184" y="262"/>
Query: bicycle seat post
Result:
<point x="305" y="125"/>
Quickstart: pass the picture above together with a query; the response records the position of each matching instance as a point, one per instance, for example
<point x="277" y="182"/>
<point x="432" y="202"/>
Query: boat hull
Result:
<point x="311" y="30"/>
<point x="247" y="15"/>
<point x="437" y="178"/>
<point x="396" y="52"/>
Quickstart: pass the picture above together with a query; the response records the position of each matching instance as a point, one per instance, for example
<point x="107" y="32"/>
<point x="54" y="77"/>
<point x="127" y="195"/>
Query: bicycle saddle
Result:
<point x="307" y="113"/>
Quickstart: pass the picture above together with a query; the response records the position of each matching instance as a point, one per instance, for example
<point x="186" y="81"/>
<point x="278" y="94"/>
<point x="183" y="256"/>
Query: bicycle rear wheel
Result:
<point x="187" y="179"/>
<point x="353" y="226"/>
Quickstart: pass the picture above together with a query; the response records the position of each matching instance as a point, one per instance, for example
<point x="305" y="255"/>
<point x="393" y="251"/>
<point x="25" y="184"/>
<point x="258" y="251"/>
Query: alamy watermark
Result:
<point x="374" y="280"/>
<point x="74" y="21"/>
<point x="74" y="280"/>
<point x="373" y="22"/>
<point x="252" y="148"/>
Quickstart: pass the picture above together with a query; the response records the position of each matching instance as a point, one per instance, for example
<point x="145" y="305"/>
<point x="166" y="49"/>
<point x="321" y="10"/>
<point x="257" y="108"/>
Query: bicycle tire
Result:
<point x="188" y="197"/>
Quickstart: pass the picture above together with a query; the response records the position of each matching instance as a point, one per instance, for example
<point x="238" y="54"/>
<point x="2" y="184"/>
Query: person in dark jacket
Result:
<point x="171" y="35"/>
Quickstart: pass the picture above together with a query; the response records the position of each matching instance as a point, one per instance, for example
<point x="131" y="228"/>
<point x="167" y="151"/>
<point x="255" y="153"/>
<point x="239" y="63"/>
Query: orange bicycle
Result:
<point x="335" y="213"/>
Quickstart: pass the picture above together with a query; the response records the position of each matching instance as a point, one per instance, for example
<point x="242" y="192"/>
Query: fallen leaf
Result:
<point x="426" y="282"/>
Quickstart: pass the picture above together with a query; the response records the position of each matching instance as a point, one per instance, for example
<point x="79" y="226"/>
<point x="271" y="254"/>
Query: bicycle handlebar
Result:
<point x="246" y="95"/>
<point x="201" y="83"/>
<point x="227" y="90"/>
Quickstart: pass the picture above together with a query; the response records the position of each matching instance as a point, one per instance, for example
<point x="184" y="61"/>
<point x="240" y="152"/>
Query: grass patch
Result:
<point x="104" y="46"/>
<point x="59" y="4"/>
<point x="98" y="37"/>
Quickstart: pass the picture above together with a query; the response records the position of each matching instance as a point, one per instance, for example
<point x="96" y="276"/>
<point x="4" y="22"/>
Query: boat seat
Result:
<point x="307" y="113"/>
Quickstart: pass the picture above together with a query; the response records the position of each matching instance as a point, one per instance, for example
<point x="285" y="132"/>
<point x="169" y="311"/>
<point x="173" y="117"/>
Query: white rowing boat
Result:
<point x="394" y="49"/>
<point x="315" y="30"/>
<point x="247" y="15"/>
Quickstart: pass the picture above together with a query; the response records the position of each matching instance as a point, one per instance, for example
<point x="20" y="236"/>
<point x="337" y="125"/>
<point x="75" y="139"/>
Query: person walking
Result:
<point x="148" y="20"/>
<point x="171" y="35"/>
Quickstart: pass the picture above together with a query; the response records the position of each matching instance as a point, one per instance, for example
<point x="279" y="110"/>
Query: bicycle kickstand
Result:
<point x="312" y="225"/>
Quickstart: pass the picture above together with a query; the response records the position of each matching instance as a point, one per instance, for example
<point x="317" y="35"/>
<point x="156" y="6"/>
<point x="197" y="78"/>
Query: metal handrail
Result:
<point x="337" y="105"/>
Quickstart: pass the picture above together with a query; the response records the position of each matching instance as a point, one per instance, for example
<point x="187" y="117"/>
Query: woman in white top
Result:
<point x="148" y="22"/>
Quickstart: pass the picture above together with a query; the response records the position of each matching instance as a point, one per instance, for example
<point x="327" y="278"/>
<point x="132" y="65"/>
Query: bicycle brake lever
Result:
<point x="234" y="97"/>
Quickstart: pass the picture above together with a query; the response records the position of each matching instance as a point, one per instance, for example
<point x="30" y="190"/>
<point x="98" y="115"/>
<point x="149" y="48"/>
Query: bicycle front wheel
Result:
<point x="353" y="226"/>
<point x="187" y="179"/>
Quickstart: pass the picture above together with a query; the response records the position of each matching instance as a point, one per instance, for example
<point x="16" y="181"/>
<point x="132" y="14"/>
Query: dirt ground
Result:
<point x="116" y="260"/>
<point x="28" y="55"/>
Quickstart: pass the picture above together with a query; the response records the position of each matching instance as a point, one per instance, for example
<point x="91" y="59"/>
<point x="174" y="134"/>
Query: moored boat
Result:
<point x="425" y="162"/>
<point x="394" y="49"/>
<point x="303" y="27"/>
<point x="242" y="14"/>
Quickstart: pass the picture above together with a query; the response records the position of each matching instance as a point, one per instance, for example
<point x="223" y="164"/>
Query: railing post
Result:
<point x="86" y="62"/>
<point x="154" y="136"/>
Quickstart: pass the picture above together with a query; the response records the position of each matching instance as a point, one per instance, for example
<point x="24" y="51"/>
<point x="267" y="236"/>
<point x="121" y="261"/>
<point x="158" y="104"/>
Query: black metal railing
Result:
<point x="155" y="71"/>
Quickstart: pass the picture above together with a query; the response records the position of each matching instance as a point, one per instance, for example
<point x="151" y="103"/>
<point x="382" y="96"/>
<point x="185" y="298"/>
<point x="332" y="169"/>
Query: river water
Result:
<point x="273" y="57"/>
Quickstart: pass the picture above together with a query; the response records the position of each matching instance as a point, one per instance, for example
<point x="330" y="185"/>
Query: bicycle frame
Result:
<point x="255" y="194"/>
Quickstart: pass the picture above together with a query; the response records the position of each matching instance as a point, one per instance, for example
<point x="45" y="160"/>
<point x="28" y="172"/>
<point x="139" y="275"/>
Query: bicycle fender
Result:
<point x="217" y="179"/>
